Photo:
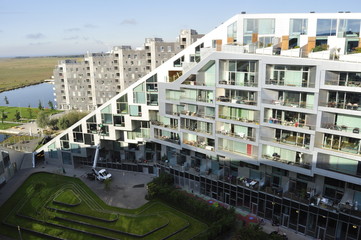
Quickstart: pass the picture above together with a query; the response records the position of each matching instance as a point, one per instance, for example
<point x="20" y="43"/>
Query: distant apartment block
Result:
<point x="262" y="113"/>
<point x="85" y="85"/>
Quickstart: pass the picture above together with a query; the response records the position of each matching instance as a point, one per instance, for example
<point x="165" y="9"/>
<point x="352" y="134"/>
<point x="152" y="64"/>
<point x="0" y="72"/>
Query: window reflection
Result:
<point x="326" y="27"/>
<point x="349" y="28"/>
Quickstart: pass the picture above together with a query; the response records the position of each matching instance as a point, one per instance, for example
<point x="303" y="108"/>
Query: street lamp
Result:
<point x="19" y="233"/>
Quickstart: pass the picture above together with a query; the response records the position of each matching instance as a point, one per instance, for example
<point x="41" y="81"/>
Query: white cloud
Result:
<point x="129" y="22"/>
<point x="35" y="35"/>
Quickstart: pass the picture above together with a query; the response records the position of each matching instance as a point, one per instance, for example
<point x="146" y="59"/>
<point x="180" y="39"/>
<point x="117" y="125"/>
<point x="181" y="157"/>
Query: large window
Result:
<point x="326" y="27"/>
<point x="298" y="26"/>
<point x="232" y="32"/>
<point x="349" y="28"/>
<point x="261" y="26"/>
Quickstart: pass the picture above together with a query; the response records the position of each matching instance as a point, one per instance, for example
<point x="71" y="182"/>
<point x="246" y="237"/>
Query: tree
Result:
<point x="6" y="100"/>
<point x="17" y="115"/>
<point x="69" y="119"/>
<point x="43" y="119"/>
<point x="51" y="105"/>
<point x="3" y="116"/>
<point x="53" y="123"/>
<point x="40" y="106"/>
<point x="63" y="123"/>
<point x="30" y="111"/>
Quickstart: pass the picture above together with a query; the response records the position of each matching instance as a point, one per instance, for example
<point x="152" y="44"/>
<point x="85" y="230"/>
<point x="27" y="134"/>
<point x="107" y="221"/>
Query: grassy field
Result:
<point x="20" y="72"/>
<point x="66" y="208"/>
<point x="27" y="114"/>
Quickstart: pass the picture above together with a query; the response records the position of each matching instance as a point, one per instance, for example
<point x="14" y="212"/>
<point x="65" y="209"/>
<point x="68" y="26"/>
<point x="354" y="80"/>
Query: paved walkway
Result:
<point x="121" y="193"/>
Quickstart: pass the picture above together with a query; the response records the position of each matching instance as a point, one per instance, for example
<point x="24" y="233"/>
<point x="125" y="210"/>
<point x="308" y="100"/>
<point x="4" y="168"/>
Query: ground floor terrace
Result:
<point x="289" y="210"/>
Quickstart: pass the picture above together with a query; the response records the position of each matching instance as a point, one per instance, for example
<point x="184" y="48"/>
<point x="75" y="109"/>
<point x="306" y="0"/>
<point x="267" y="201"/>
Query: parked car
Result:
<point x="102" y="174"/>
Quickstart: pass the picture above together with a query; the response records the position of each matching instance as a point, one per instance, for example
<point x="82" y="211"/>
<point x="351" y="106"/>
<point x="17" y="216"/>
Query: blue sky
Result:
<point x="48" y="27"/>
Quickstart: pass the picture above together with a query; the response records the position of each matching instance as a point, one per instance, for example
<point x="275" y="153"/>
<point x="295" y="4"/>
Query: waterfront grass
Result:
<point x="29" y="206"/>
<point x="6" y="125"/>
<point x="26" y="113"/>
<point x="21" y="72"/>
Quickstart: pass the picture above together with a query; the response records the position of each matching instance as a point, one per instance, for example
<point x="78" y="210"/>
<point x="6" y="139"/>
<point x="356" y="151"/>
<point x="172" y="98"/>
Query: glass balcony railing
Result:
<point x="281" y="82"/>
<point x="343" y="128"/>
<point x="290" y="140"/>
<point x="298" y="124"/>
<point x="237" y="135"/>
<point x="278" y="158"/>
<point x="238" y="100"/>
<point x="239" y="119"/>
<point x="356" y="83"/>
<point x="236" y="151"/>
<point x="348" y="105"/>
<point x="202" y="145"/>
<point x="287" y="103"/>
<point x="167" y="139"/>
<point x="233" y="83"/>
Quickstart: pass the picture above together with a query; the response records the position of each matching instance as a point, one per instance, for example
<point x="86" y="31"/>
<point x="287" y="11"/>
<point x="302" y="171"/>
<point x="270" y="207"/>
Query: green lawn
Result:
<point x="48" y="203"/>
<point x="25" y="113"/>
<point x="5" y="125"/>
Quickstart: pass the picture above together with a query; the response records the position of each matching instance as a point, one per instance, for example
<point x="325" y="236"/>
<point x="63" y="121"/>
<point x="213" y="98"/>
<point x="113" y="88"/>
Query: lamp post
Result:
<point x="19" y="233"/>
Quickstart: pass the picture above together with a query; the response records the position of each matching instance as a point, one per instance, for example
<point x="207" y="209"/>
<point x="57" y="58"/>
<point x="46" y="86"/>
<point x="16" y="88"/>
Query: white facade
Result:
<point x="265" y="103"/>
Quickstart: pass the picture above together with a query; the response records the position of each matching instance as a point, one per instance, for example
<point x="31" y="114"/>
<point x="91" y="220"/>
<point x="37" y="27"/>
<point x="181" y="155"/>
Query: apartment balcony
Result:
<point x="290" y="123"/>
<point x="161" y="124"/>
<point x="343" y="83"/>
<point x="237" y="135"/>
<point x="234" y="83"/>
<point x="342" y="144"/>
<point x="341" y="128"/>
<point x="293" y="162"/>
<point x="298" y="196"/>
<point x="197" y="114"/>
<point x="288" y="103"/>
<point x="194" y="128"/>
<point x="282" y="82"/>
<point x="236" y="151"/>
<point x="239" y="119"/>
<point x="238" y="100"/>
<point x="167" y="139"/>
<point x="197" y="144"/>
<point x="348" y="105"/>
<point x="290" y="140"/>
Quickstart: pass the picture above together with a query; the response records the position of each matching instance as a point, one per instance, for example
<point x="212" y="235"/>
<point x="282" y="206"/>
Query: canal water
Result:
<point x="23" y="97"/>
<point x="3" y="137"/>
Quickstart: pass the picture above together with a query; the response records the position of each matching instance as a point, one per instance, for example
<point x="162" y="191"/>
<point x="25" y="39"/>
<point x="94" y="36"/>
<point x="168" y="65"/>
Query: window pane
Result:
<point x="326" y="27"/>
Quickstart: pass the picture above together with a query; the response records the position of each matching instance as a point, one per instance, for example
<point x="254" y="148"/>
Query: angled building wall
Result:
<point x="261" y="113"/>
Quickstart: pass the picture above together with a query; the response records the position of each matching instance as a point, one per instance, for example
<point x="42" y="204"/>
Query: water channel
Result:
<point x="31" y="95"/>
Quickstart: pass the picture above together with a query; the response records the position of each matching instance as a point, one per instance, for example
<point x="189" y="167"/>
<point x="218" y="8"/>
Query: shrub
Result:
<point x="319" y="48"/>
<point x="220" y="219"/>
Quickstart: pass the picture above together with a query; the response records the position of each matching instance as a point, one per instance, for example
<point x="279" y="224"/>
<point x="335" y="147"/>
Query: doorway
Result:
<point x="226" y="198"/>
<point x="321" y="233"/>
<point x="254" y="208"/>
<point x="285" y="220"/>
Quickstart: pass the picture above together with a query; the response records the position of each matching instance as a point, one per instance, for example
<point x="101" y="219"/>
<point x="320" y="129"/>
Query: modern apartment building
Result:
<point x="262" y="113"/>
<point x="87" y="84"/>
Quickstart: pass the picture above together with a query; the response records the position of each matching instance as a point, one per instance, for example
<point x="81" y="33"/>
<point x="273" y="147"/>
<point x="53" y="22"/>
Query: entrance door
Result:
<point x="254" y="208"/>
<point x="226" y="198"/>
<point x="285" y="220"/>
<point x="321" y="233"/>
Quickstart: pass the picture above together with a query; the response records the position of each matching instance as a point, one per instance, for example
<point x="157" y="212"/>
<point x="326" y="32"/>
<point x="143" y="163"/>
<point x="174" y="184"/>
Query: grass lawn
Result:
<point x="25" y="113"/>
<point x="77" y="212"/>
<point x="20" y="72"/>
<point x="4" y="125"/>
